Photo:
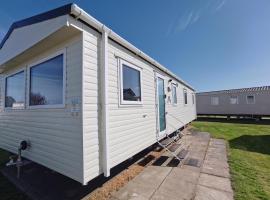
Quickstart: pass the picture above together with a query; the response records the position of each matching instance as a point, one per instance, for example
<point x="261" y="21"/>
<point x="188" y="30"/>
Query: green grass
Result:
<point x="7" y="190"/>
<point x="249" y="156"/>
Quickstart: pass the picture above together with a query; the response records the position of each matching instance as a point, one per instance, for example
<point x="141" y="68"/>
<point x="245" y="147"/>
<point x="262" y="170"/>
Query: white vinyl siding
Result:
<point x="132" y="129"/>
<point x="91" y="64"/>
<point x="55" y="134"/>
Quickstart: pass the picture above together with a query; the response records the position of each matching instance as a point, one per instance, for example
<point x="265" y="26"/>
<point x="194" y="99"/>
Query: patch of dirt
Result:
<point x="104" y="192"/>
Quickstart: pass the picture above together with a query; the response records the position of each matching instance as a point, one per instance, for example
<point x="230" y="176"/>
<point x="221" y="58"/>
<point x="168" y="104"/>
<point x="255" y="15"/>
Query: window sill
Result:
<point x="13" y="109"/>
<point x="46" y="107"/>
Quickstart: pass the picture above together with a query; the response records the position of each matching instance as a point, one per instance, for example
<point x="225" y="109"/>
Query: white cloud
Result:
<point x="220" y="5"/>
<point x="185" y="19"/>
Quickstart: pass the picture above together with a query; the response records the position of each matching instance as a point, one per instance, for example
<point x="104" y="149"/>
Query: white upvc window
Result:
<point x="193" y="99"/>
<point x="174" y="94"/>
<point x="250" y="99"/>
<point x="185" y="96"/>
<point x="234" y="100"/>
<point x="130" y="84"/>
<point x="214" y="101"/>
<point x="14" y="90"/>
<point x="46" y="82"/>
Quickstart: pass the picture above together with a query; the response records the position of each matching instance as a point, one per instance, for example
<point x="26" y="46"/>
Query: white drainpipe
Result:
<point x="104" y="107"/>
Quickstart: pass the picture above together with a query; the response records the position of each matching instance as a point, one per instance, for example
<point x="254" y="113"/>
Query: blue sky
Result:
<point x="212" y="44"/>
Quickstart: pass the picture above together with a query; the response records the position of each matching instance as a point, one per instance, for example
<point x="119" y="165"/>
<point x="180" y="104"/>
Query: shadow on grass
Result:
<point x="234" y="120"/>
<point x="252" y="143"/>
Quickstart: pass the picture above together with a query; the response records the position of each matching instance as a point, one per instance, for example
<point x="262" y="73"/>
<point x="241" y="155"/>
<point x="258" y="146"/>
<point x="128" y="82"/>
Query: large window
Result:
<point x="214" y="101"/>
<point x="234" y="100"/>
<point x="250" y="99"/>
<point x="15" y="91"/>
<point x="185" y="97"/>
<point x="174" y="94"/>
<point x="47" y="82"/>
<point x="131" y="91"/>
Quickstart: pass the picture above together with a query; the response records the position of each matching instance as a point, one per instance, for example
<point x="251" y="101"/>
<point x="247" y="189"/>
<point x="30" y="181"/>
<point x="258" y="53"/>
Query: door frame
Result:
<point x="160" y="133"/>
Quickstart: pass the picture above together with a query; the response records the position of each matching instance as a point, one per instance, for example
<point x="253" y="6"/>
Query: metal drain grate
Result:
<point x="174" y="147"/>
<point x="192" y="162"/>
<point x="182" y="154"/>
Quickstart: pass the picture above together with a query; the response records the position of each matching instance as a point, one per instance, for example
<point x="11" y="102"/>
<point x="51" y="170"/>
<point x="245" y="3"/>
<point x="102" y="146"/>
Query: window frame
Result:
<point x="211" y="100"/>
<point x="253" y="99"/>
<point x="173" y="85"/>
<point x="121" y="95"/>
<point x="44" y="59"/>
<point x="185" y="93"/>
<point x="237" y="100"/>
<point x="5" y="89"/>
<point x="193" y="98"/>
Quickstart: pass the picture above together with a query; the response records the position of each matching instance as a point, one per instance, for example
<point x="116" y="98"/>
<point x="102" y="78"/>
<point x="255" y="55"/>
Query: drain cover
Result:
<point x="182" y="154"/>
<point x="192" y="162"/>
<point x="174" y="147"/>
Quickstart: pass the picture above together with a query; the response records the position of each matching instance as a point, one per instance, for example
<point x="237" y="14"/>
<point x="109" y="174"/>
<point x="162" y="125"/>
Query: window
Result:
<point x="174" y="94"/>
<point x="193" y="99"/>
<point x="15" y="91"/>
<point x="233" y="100"/>
<point x="250" y="99"/>
<point x="185" y="97"/>
<point x="47" y="82"/>
<point x="214" y="101"/>
<point x="131" y="91"/>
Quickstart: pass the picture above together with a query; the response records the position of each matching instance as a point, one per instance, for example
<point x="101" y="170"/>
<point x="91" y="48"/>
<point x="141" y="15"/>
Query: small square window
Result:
<point x="214" y="101"/>
<point x="234" y="100"/>
<point x="15" y="91"/>
<point x="131" y="91"/>
<point x="174" y="94"/>
<point x="185" y="96"/>
<point x="250" y="99"/>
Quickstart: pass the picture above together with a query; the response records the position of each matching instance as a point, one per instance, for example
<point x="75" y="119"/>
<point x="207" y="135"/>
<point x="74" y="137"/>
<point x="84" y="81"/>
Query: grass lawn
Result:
<point x="249" y="156"/>
<point x="7" y="190"/>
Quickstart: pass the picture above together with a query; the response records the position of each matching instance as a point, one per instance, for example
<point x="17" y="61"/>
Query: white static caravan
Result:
<point x="82" y="97"/>
<point x="244" y="102"/>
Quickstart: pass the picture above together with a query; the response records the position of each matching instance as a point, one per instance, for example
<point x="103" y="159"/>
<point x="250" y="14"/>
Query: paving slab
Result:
<point x="207" y="180"/>
<point x="212" y="170"/>
<point x="215" y="182"/>
<point x="134" y="190"/>
<point x="152" y="175"/>
<point x="216" y="164"/>
<point x="184" y="174"/>
<point x="205" y="193"/>
<point x="174" y="189"/>
<point x="144" y="185"/>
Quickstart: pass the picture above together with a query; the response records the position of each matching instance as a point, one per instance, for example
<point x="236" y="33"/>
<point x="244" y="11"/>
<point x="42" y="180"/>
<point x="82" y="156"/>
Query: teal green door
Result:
<point x="161" y="104"/>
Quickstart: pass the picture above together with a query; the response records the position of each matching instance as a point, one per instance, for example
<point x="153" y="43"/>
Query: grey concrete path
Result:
<point x="204" y="175"/>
